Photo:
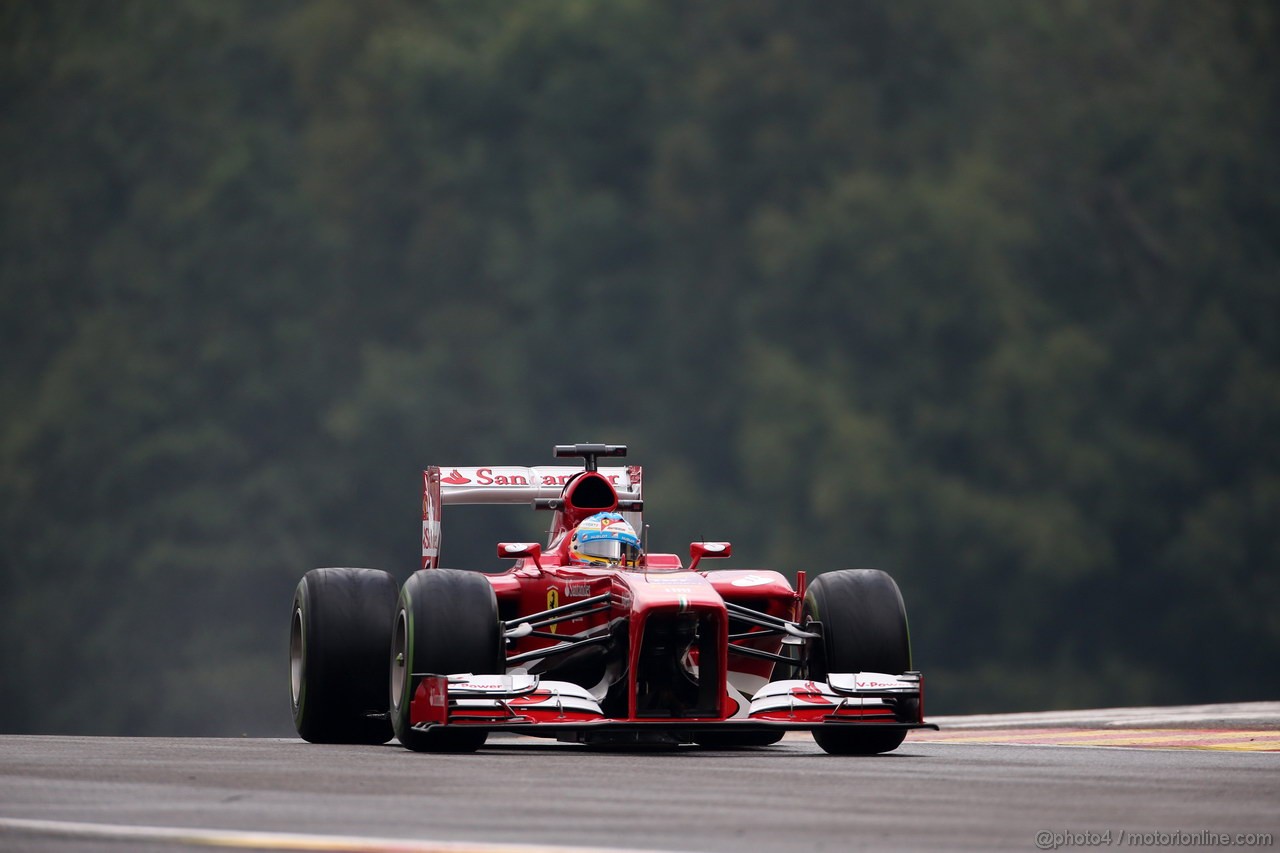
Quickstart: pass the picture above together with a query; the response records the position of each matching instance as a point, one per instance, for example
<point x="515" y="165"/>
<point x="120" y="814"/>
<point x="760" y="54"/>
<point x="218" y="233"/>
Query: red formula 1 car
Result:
<point x="647" y="650"/>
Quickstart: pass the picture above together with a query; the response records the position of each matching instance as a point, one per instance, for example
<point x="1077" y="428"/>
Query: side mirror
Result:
<point x="515" y="550"/>
<point x="709" y="550"/>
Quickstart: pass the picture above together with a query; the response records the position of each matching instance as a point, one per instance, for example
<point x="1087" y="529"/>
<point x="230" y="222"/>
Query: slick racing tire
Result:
<point x="864" y="629"/>
<point x="446" y="622"/>
<point x="338" y="667"/>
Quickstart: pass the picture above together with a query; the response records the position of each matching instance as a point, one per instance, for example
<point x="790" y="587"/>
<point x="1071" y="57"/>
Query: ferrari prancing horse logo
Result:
<point x="553" y="601"/>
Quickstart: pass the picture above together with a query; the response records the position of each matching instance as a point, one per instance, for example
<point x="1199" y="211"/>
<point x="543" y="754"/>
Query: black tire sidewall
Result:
<point x="864" y="624"/>
<point x="450" y="624"/>
<point x="864" y="629"/>
<point x="345" y="616"/>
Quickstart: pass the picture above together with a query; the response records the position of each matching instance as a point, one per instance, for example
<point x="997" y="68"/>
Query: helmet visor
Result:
<point x="612" y="551"/>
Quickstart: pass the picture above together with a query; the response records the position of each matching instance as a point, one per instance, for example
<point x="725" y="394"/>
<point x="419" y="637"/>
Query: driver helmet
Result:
<point x="605" y="539"/>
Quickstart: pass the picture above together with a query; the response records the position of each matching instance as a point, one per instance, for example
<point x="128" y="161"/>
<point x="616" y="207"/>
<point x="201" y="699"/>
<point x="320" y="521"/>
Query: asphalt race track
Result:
<point x="1209" y="779"/>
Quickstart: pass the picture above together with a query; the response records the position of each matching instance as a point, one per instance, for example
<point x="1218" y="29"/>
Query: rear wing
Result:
<point x="538" y="486"/>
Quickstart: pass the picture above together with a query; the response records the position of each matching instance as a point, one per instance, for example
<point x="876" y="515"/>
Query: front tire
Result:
<point x="338" y="668"/>
<point x="864" y="629"/>
<point x="446" y="622"/>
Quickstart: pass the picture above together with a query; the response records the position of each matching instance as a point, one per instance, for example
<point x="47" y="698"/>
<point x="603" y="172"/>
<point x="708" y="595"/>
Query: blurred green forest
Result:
<point x="985" y="293"/>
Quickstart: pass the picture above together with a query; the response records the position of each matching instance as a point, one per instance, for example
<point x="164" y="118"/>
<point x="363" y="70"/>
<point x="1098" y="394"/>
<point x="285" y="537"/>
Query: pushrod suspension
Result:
<point x="551" y="620"/>
<point x="765" y="620"/>
<point x="557" y="611"/>
<point x="756" y="653"/>
<point x="556" y="650"/>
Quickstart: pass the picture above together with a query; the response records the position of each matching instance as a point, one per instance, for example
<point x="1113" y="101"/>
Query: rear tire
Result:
<point x="864" y="629"/>
<point x="446" y="622"/>
<point x="338" y="667"/>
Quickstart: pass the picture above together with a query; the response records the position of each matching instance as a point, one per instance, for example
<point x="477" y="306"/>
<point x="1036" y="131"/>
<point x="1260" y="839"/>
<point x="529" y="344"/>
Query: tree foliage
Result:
<point x="983" y="293"/>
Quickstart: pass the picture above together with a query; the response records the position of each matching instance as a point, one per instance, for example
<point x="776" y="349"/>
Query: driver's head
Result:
<point x="605" y="539"/>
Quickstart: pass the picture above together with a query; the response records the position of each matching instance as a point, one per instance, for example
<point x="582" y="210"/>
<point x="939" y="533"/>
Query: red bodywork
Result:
<point x="660" y="647"/>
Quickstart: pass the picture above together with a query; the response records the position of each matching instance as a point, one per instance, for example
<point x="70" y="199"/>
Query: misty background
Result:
<point x="983" y="293"/>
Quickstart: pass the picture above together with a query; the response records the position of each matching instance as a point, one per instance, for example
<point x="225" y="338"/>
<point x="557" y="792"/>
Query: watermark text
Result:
<point x="1049" y="839"/>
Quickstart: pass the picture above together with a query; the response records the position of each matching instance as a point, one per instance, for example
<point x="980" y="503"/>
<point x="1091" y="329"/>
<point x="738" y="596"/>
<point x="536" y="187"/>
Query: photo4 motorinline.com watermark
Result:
<point x="1047" y="839"/>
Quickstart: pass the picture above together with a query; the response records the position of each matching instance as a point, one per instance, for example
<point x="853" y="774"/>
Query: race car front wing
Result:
<point x="515" y="702"/>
